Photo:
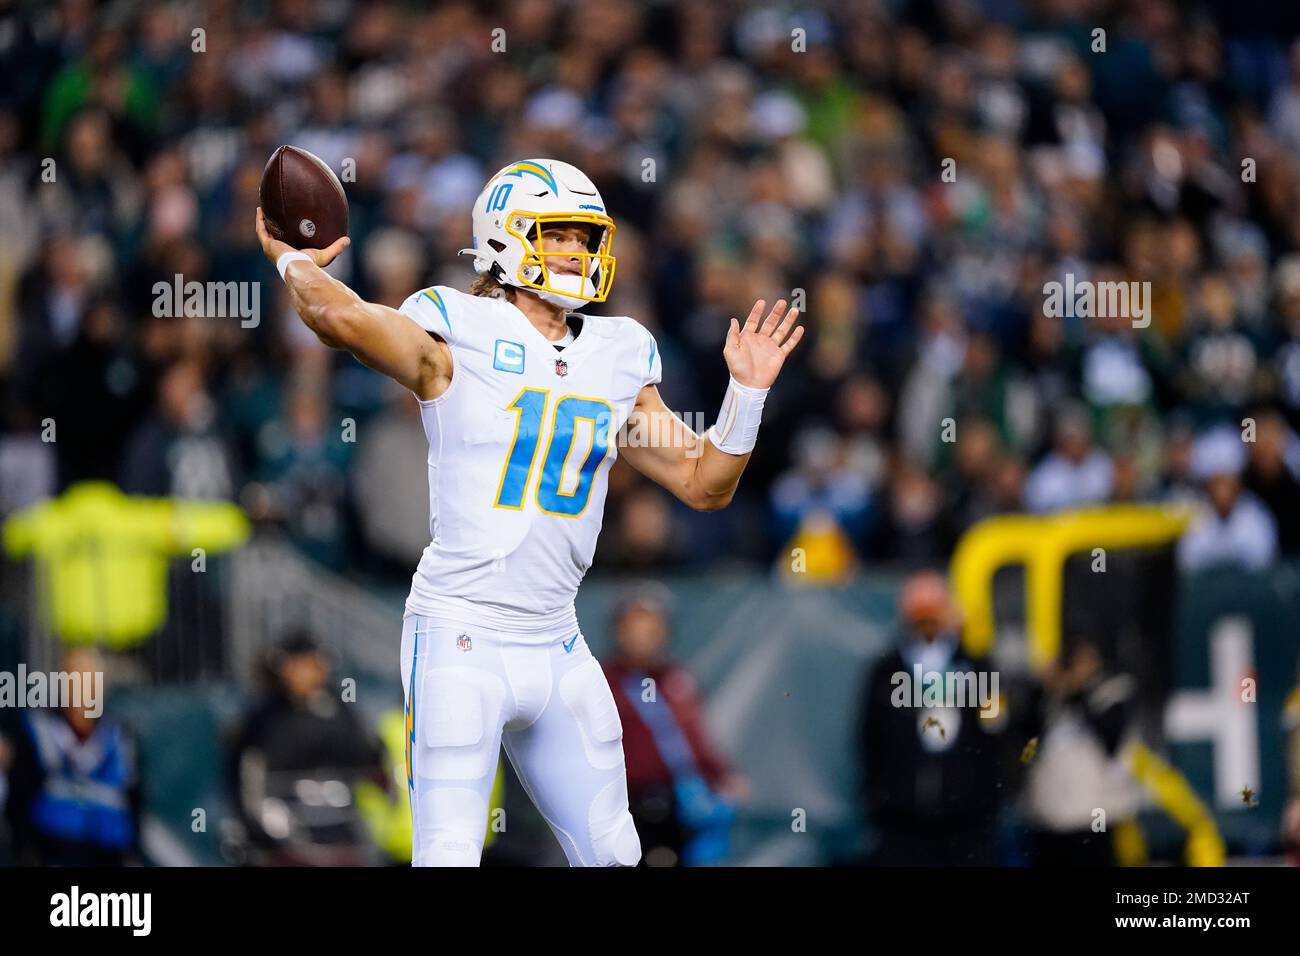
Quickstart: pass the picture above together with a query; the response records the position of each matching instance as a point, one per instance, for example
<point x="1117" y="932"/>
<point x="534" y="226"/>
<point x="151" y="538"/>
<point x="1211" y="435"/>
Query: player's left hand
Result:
<point x="754" y="352"/>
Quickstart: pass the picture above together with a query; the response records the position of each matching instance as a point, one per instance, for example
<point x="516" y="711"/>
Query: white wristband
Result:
<point x="283" y="262"/>
<point x="736" y="430"/>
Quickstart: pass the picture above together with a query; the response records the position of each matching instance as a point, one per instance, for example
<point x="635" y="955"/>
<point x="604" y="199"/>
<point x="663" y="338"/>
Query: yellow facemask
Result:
<point x="519" y="223"/>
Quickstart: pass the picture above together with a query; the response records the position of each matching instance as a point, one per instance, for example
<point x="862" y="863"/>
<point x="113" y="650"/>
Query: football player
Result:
<point x="526" y="403"/>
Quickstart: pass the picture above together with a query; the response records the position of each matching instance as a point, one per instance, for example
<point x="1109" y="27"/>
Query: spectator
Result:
<point x="74" y="782"/>
<point x="823" y="482"/>
<point x="932" y="775"/>
<point x="646" y="535"/>
<point x="1075" y="769"/>
<point x="972" y="490"/>
<point x="180" y="451"/>
<point x="26" y="470"/>
<point x="1231" y="527"/>
<point x="1269" y="476"/>
<point x="1222" y="365"/>
<point x="1178" y="485"/>
<point x="304" y="474"/>
<point x="1075" y="473"/>
<point x="1286" y="362"/>
<point x="916" y="530"/>
<point x="302" y="740"/>
<point x="680" y="791"/>
<point x="96" y="370"/>
<point x="391" y="484"/>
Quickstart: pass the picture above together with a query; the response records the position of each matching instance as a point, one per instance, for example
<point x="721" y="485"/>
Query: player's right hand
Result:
<point x="275" y="248"/>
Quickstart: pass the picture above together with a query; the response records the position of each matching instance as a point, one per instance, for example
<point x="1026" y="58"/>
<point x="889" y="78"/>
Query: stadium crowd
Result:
<point x="912" y="173"/>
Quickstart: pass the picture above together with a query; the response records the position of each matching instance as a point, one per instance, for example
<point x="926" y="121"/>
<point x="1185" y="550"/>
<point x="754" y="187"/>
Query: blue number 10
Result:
<point x="530" y="410"/>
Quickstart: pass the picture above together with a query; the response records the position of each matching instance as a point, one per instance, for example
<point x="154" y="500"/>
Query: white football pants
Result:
<point x="468" y="691"/>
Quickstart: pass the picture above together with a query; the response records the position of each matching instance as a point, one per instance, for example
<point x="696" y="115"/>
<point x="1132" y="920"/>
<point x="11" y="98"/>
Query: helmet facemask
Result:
<point x="596" y="273"/>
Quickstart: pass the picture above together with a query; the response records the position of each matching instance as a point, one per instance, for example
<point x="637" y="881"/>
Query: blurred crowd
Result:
<point x="309" y="779"/>
<point x="912" y="173"/>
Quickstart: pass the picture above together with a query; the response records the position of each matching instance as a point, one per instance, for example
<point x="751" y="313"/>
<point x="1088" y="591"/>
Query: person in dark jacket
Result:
<point x="296" y="759"/>
<point x="931" y="755"/>
<point x="1270" y="478"/>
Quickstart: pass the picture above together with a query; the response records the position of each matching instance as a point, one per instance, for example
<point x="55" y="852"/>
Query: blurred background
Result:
<point x="223" y="516"/>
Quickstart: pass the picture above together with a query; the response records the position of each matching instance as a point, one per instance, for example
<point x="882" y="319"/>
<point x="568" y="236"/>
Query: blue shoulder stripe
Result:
<point x="436" y="299"/>
<point x="654" y="346"/>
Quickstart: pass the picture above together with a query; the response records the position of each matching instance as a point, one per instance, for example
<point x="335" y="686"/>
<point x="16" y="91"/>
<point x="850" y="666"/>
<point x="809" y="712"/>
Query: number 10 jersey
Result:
<point x="520" y="447"/>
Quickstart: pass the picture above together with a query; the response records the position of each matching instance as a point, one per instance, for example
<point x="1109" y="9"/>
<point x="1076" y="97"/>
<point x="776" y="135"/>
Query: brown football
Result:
<point x="302" y="200"/>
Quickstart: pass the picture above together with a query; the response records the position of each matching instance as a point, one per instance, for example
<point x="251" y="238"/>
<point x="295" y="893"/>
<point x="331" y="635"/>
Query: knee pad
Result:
<point x="586" y="694"/>
<point x="613" y="834"/>
<point x="451" y="823"/>
<point x="457" y="724"/>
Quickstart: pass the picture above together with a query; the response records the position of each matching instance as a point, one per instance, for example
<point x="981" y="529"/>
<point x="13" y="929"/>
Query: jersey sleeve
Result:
<point x="653" y="370"/>
<point x="435" y="310"/>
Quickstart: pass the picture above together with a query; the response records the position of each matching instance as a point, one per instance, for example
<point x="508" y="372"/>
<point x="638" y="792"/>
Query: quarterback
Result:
<point x="526" y="403"/>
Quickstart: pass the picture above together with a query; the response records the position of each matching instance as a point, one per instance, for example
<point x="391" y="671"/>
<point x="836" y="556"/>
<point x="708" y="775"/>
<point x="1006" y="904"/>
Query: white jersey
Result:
<point x="520" y="447"/>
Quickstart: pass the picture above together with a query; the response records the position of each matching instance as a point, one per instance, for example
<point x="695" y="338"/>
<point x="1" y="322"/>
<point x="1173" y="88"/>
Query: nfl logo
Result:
<point x="464" y="643"/>
<point x="561" y="367"/>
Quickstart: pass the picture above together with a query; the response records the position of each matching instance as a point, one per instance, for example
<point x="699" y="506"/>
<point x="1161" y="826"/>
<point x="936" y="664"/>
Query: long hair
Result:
<point x="487" y="285"/>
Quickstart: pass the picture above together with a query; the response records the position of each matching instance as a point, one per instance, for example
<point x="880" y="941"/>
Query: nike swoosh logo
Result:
<point x="568" y="645"/>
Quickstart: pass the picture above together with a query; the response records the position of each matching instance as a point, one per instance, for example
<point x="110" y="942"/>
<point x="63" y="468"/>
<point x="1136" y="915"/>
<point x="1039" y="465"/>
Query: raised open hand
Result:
<point x="755" y="352"/>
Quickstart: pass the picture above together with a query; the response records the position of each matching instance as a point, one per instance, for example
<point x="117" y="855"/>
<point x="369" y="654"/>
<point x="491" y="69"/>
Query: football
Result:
<point x="302" y="200"/>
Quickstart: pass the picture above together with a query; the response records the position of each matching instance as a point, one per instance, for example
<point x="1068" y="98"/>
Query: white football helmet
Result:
<point x="509" y="215"/>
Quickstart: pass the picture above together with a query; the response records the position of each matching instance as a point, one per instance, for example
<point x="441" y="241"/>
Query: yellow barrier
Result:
<point x="1173" y="794"/>
<point x="1043" y="543"/>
